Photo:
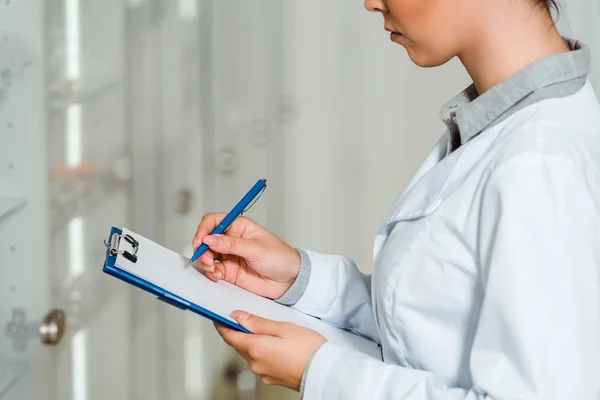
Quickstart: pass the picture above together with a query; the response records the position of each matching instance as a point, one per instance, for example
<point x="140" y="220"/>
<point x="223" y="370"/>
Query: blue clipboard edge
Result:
<point x="166" y="296"/>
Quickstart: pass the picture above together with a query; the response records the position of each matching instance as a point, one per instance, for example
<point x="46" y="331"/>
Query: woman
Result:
<point x="486" y="281"/>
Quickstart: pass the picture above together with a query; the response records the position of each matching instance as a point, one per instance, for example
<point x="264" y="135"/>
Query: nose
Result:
<point x="376" y="6"/>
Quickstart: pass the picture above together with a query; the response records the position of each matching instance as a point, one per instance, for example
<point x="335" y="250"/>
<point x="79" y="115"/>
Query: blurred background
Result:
<point x="148" y="114"/>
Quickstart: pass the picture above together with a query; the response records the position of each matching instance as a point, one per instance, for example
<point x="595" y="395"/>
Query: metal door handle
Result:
<point x="52" y="328"/>
<point x="51" y="331"/>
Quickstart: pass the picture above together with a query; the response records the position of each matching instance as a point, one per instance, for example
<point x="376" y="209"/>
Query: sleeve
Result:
<point x="538" y="330"/>
<point x="298" y="288"/>
<point x="331" y="287"/>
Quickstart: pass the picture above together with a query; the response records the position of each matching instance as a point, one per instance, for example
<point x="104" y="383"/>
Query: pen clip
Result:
<point x="255" y="200"/>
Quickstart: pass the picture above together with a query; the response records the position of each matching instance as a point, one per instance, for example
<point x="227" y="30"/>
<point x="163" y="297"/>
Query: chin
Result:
<point x="428" y="60"/>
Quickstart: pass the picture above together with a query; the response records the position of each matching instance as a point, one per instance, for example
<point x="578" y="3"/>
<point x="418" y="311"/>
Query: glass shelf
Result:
<point x="66" y="93"/>
<point x="10" y="372"/>
<point x="77" y="192"/>
<point x="85" y="296"/>
<point x="10" y="205"/>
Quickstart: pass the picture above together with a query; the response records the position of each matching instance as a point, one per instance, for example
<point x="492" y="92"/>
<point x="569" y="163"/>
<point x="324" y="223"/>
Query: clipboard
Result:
<point x="111" y="268"/>
<point x="168" y="276"/>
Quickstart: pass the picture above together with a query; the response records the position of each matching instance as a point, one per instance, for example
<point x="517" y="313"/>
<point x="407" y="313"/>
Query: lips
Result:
<point x="395" y="36"/>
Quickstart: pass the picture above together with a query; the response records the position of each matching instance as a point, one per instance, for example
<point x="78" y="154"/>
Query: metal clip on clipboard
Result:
<point x="113" y="246"/>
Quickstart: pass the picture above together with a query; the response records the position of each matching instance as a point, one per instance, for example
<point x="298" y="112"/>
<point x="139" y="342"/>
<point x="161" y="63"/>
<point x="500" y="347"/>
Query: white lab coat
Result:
<point x="486" y="281"/>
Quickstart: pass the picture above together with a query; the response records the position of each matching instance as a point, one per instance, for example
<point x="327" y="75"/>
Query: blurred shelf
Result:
<point x="66" y="93"/>
<point x="86" y="296"/>
<point x="9" y="205"/>
<point x="10" y="373"/>
<point x="79" y="193"/>
<point x="11" y="200"/>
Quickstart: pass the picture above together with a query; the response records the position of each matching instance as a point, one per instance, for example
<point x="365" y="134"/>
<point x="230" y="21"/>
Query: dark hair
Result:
<point x="549" y="4"/>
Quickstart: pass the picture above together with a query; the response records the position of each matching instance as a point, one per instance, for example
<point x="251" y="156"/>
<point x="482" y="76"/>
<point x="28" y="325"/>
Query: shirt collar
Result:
<point x="469" y="113"/>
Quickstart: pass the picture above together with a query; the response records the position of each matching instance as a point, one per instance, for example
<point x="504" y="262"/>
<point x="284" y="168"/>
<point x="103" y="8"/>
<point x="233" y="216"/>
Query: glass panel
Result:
<point x="129" y="143"/>
<point x="88" y="186"/>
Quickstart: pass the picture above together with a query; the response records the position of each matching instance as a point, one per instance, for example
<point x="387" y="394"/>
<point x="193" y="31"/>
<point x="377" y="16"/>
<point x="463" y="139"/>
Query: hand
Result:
<point x="277" y="351"/>
<point x="248" y="256"/>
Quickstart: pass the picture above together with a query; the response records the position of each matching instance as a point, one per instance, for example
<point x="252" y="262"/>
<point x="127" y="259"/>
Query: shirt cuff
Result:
<point x="305" y="374"/>
<point x="296" y="291"/>
<point x="316" y="374"/>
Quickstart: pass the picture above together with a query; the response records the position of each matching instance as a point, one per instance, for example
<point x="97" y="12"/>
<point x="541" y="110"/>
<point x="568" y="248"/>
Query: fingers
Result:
<point x="240" y="227"/>
<point x="217" y="273"/>
<point x="259" y="325"/>
<point x="260" y="352"/>
<point x="240" y="341"/>
<point x="231" y="244"/>
<point x="252" y="347"/>
<point x="209" y="222"/>
<point x="206" y="262"/>
<point x="223" y="244"/>
<point x="207" y="225"/>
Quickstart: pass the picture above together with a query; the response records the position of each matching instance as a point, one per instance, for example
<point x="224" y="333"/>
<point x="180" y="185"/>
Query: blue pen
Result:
<point x="233" y="214"/>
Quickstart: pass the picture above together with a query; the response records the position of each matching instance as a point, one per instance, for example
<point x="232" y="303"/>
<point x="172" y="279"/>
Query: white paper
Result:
<point x="171" y="272"/>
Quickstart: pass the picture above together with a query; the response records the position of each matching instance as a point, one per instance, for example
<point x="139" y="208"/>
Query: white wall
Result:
<point x="368" y="118"/>
<point x="580" y="19"/>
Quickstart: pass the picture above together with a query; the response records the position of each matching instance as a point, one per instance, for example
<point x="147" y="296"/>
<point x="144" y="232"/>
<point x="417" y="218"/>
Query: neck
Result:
<point x="508" y="43"/>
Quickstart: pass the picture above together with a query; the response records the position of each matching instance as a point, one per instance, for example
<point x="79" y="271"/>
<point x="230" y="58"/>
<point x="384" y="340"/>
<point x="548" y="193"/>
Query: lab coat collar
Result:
<point x="468" y="114"/>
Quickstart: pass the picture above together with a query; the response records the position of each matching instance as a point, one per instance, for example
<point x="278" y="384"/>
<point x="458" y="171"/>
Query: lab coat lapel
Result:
<point x="422" y="195"/>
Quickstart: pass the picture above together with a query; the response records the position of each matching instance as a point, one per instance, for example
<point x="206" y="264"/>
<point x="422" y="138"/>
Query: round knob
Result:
<point x="185" y="201"/>
<point x="228" y="161"/>
<point x="246" y="382"/>
<point x="242" y="380"/>
<point x="52" y="329"/>
<point x="260" y="134"/>
<point x="289" y="108"/>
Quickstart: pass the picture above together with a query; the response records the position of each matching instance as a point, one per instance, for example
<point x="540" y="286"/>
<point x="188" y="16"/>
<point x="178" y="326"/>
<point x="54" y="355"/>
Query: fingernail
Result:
<point x="218" y="275"/>
<point x="240" y="315"/>
<point x="211" y="241"/>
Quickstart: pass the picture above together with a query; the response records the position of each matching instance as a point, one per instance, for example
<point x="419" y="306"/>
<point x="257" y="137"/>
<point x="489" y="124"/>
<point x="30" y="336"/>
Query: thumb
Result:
<point x="236" y="246"/>
<point x="257" y="324"/>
